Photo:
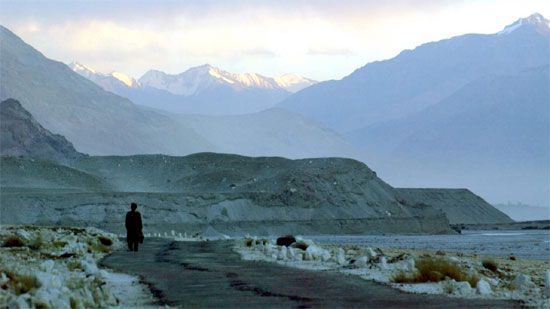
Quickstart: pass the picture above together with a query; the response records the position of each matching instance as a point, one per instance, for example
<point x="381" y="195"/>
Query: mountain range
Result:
<point x="99" y="122"/>
<point x="472" y="111"/>
<point x="206" y="190"/>
<point x="199" y="90"/>
<point x="416" y="79"/>
<point x="468" y="111"/>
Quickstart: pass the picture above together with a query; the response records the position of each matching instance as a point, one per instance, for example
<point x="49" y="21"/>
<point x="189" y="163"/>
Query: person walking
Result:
<point x="134" y="234"/>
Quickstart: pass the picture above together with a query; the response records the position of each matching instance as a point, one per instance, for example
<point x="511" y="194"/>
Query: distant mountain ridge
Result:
<point x="416" y="79"/>
<point x="199" y="90"/>
<point x="469" y="111"/>
<point x="111" y="81"/>
<point x="99" y="122"/>
<point x="68" y="104"/>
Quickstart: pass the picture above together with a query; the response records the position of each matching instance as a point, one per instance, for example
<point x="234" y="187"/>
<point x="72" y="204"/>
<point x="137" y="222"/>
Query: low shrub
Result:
<point x="99" y="248"/>
<point x="435" y="270"/>
<point x="249" y="242"/>
<point x="106" y="241"/>
<point x="73" y="265"/>
<point x="13" y="241"/>
<point x="490" y="265"/>
<point x="22" y="284"/>
<point x="37" y="243"/>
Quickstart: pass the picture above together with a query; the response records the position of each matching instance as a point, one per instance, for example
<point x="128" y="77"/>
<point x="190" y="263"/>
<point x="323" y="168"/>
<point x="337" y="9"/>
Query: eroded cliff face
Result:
<point x="461" y="206"/>
<point x="213" y="194"/>
<point x="22" y="135"/>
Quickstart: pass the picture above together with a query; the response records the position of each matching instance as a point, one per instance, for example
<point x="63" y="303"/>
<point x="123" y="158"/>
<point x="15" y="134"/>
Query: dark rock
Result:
<point x="286" y="240"/>
<point x="22" y="135"/>
<point x="300" y="245"/>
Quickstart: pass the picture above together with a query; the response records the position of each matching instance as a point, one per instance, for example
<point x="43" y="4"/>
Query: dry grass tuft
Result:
<point x="106" y="241"/>
<point x="435" y="270"/>
<point x="99" y="248"/>
<point x="13" y="241"/>
<point x="22" y="284"/>
<point x="37" y="243"/>
<point x="490" y="264"/>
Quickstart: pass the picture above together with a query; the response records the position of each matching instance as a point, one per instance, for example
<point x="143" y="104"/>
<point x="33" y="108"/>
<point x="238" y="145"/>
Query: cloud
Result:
<point x="259" y="52"/>
<point x="268" y="37"/>
<point x="329" y="51"/>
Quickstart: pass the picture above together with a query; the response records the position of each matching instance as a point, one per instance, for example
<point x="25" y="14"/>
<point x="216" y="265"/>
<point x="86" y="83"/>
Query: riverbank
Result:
<point x="475" y="276"/>
<point x="56" y="267"/>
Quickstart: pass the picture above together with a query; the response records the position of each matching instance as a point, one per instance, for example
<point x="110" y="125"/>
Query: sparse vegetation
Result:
<point x="435" y="270"/>
<point x="106" y="241"/>
<point x="59" y="243"/>
<point x="22" y="283"/>
<point x="37" y="243"/>
<point x="97" y="247"/>
<point x="73" y="265"/>
<point x="490" y="264"/>
<point x="13" y="241"/>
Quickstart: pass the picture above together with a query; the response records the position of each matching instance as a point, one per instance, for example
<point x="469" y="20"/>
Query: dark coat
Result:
<point x="133" y="224"/>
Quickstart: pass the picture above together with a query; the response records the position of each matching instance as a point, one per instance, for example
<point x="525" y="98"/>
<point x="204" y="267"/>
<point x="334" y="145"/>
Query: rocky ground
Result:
<point x="476" y="276"/>
<point x="52" y="267"/>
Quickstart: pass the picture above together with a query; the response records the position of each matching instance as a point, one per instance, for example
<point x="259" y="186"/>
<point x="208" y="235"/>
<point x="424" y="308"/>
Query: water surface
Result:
<point x="529" y="244"/>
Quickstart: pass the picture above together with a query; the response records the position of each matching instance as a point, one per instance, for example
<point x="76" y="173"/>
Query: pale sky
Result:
<point x="318" y="39"/>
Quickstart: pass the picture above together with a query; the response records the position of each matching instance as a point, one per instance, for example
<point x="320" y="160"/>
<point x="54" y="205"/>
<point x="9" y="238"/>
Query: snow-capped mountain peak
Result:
<point x="294" y="82"/>
<point x="536" y="21"/>
<point x="108" y="81"/>
<point x="82" y="69"/>
<point x="196" y="79"/>
<point x="127" y="80"/>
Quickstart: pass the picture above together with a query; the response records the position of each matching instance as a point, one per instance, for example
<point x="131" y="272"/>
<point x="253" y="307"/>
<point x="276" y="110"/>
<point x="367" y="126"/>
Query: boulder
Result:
<point x="483" y="287"/>
<point x="286" y="240"/>
<point x="318" y="253"/>
<point x="340" y="257"/>
<point x="300" y="245"/>
<point x="371" y="253"/>
<point x="383" y="262"/>
<point x="361" y="261"/>
<point x="282" y="254"/>
<point x="522" y="282"/>
<point x="461" y="288"/>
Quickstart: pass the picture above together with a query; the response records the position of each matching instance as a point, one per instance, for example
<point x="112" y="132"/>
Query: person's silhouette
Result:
<point x="133" y="228"/>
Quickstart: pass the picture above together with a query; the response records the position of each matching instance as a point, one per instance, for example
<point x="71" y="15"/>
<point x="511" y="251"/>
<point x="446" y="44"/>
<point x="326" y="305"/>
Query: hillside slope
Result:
<point x="22" y="135"/>
<point x="460" y="205"/>
<point x="68" y="104"/>
<point x="493" y="135"/>
<point x="273" y="132"/>
<point x="229" y="194"/>
<point x="415" y="79"/>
